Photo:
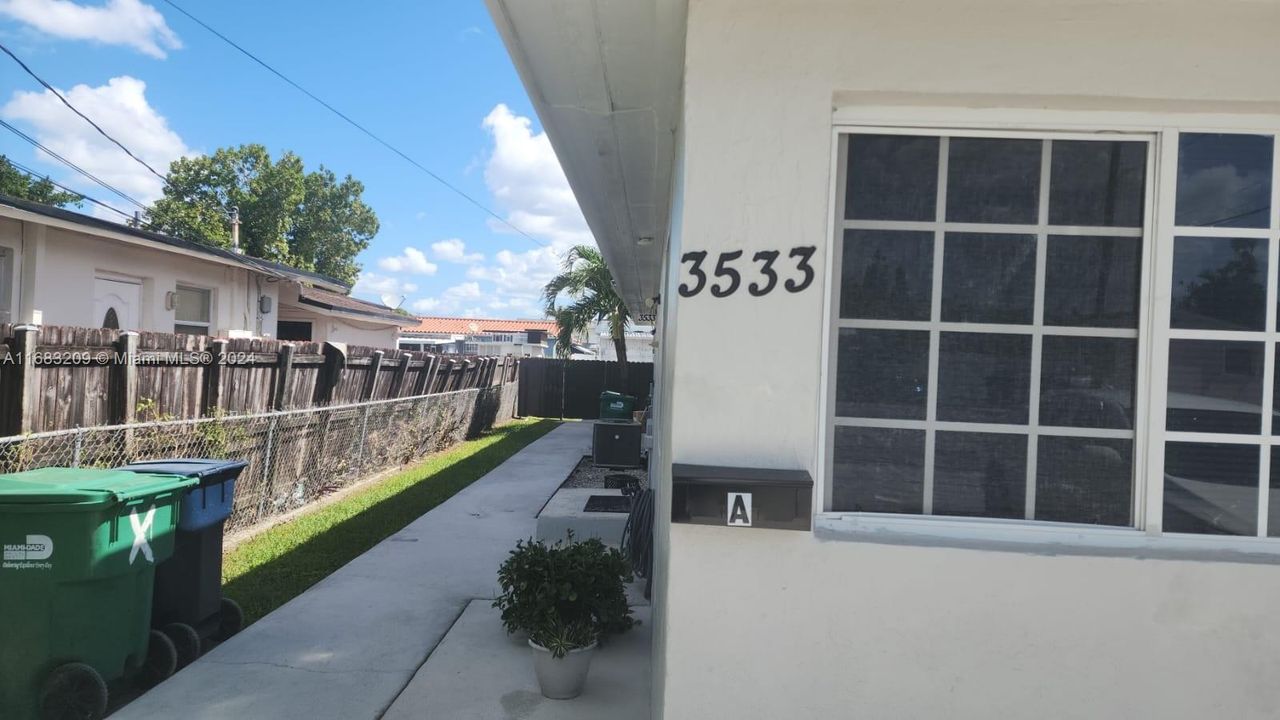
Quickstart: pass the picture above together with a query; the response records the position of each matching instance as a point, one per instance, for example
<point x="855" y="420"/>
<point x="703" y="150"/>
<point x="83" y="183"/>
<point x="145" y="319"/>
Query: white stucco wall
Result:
<point x="57" y="267"/>
<point x="766" y="624"/>
<point x="328" y="328"/>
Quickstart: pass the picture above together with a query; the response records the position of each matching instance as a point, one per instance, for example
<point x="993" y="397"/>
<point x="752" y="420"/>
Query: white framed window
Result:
<point x="193" y="310"/>
<point x="988" y="321"/>
<point x="1028" y="340"/>
<point x="1220" y="461"/>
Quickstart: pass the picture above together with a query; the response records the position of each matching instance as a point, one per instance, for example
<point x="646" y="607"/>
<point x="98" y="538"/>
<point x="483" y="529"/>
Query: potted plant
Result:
<point x="568" y="597"/>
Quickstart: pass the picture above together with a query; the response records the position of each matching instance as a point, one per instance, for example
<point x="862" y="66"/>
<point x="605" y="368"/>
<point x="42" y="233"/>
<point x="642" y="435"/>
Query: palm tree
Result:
<point x="586" y="279"/>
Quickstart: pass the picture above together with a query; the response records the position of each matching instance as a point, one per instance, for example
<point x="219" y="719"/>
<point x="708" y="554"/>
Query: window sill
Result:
<point x="1020" y="536"/>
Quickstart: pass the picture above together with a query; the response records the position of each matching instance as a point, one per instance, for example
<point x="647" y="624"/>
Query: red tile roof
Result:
<point x="465" y="326"/>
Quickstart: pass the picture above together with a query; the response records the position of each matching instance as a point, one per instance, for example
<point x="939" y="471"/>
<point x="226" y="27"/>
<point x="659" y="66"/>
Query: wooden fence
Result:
<point x="571" y="388"/>
<point x="56" y="378"/>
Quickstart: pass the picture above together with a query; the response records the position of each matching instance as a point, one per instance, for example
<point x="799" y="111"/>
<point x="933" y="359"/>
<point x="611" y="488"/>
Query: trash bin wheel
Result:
<point x="230" y="619"/>
<point x="162" y="660"/>
<point x="185" y="640"/>
<point x="73" y="691"/>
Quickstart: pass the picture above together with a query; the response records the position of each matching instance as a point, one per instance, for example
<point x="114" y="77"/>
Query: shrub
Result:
<point x="566" y="595"/>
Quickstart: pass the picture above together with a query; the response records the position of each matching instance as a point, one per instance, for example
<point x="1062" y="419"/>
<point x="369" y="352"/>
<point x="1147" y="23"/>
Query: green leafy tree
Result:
<point x="585" y="279"/>
<point x="16" y="183"/>
<point x="312" y="221"/>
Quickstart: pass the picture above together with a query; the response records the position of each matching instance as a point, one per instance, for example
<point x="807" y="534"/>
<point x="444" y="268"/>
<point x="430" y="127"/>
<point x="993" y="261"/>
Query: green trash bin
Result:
<point x="80" y="548"/>
<point x="616" y="406"/>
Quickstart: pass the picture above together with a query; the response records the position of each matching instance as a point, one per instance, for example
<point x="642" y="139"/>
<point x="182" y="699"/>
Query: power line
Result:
<point x="84" y="117"/>
<point x="77" y="193"/>
<point x="354" y="124"/>
<point x="70" y="164"/>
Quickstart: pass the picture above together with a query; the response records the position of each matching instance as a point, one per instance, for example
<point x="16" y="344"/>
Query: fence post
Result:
<point x="422" y="384"/>
<point x="122" y="392"/>
<point x="282" y="397"/>
<point x="402" y="370"/>
<point x="26" y="391"/>
<point x="335" y="359"/>
<point x="123" y="389"/>
<point x="75" y="455"/>
<point x="371" y="380"/>
<point x="213" y="378"/>
<point x="440" y="380"/>
<point x="267" y="484"/>
<point x="364" y="428"/>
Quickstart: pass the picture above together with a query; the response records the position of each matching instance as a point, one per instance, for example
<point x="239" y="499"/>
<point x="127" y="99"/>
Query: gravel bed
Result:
<point x="587" y="475"/>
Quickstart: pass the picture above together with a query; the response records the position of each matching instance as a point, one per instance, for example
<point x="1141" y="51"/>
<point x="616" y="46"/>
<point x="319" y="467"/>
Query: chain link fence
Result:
<point x="294" y="456"/>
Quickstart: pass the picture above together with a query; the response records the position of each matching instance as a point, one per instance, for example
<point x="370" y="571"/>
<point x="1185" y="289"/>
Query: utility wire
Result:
<point x="70" y="164"/>
<point x="354" y="124"/>
<point x="77" y="193"/>
<point x="84" y="117"/>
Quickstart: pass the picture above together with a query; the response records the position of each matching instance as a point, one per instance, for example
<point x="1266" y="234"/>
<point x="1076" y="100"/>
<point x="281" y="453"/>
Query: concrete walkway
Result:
<point x="481" y="673"/>
<point x="349" y="645"/>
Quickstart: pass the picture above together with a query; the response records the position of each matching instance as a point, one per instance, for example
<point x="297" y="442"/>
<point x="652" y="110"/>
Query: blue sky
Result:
<point x="433" y="78"/>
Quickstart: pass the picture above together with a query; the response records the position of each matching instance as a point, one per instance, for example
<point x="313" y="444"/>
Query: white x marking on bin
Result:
<point x="140" y="528"/>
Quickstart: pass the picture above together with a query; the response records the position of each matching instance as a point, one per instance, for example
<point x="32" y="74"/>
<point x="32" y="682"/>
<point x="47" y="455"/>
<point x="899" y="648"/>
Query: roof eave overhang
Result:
<point x="605" y="78"/>
<point x="326" y="309"/>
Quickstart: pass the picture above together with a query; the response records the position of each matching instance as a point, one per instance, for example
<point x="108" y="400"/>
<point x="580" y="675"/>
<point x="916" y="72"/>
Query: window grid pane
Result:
<point x="1028" y="433"/>
<point x="1224" y="297"/>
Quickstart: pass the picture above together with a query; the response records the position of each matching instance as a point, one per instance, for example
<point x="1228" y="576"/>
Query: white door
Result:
<point x="116" y="303"/>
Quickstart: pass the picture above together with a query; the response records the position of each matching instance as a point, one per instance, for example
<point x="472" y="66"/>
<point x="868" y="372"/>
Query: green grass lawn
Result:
<point x="269" y="569"/>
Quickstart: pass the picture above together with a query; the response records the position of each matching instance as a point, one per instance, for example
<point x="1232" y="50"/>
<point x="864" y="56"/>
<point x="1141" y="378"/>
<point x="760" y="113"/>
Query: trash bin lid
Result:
<point x="83" y="485"/>
<point x="204" y="469"/>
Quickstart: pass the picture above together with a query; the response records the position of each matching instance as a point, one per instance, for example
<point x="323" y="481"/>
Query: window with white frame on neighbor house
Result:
<point x="990" y="310"/>
<point x="193" y="311"/>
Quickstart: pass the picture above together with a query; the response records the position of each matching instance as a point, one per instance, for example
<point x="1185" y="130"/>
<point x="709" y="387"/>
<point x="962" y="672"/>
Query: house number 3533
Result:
<point x="729" y="279"/>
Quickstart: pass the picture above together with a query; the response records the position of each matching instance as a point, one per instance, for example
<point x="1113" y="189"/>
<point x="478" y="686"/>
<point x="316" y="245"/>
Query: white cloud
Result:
<point x="525" y="178"/>
<point x="389" y="291"/>
<point x="512" y="304"/>
<point x="425" y="305"/>
<point x="455" y="251"/>
<point x="465" y="290"/>
<point x="451" y="300"/>
<point x="411" y="260"/>
<point x="121" y="108"/>
<point x="528" y="186"/>
<point x="119" y="22"/>
<point x="521" y="274"/>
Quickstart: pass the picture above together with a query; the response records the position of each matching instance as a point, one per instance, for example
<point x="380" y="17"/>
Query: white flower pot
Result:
<point x="561" y="678"/>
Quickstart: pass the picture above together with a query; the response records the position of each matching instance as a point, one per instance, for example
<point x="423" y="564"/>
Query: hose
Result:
<point x="637" y="538"/>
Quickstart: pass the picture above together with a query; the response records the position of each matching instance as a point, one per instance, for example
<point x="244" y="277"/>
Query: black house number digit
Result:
<point x="729" y="278"/>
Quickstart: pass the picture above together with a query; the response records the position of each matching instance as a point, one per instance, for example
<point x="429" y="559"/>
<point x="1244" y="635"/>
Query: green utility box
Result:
<point x="80" y="548"/>
<point x="616" y="406"/>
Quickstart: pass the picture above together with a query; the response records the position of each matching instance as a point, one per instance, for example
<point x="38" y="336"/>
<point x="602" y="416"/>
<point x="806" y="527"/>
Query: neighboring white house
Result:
<point x="59" y="267"/>
<point x="639" y="339"/>
<point x="480" y="336"/>
<point x="1017" y="459"/>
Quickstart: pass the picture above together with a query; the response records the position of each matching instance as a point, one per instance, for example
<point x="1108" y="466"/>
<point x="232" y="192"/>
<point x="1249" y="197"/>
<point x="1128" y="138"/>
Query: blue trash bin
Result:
<point x="188" y="605"/>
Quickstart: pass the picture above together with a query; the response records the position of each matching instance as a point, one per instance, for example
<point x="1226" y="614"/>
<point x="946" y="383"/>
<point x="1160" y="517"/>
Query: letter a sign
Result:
<point x="740" y="509"/>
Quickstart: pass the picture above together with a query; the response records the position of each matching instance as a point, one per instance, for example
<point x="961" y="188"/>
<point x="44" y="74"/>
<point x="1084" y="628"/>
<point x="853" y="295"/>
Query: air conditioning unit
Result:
<point x="616" y="445"/>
